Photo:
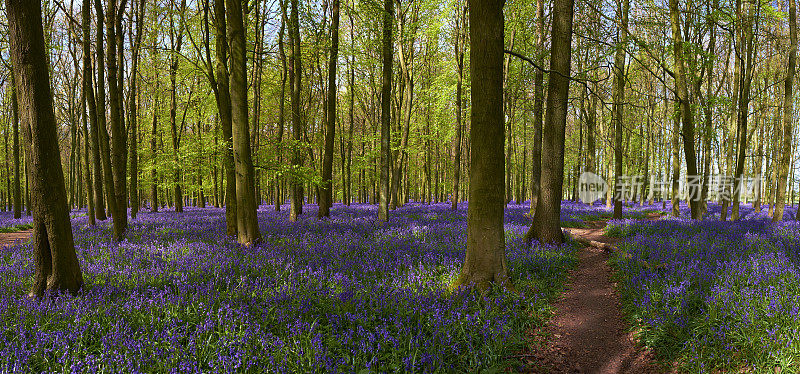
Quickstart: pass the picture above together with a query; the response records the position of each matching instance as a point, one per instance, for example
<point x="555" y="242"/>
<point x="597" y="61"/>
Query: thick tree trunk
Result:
<point x="246" y="206"/>
<point x="56" y="264"/>
<point x="546" y="226"/>
<point x="485" y="261"/>
<point x="330" y="125"/>
<point x="786" y="153"/>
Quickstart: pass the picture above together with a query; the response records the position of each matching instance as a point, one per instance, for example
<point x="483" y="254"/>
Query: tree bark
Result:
<point x="330" y="125"/>
<point x="459" y="52"/>
<point x="619" y="98"/>
<point x="56" y="264"/>
<point x="224" y="108"/>
<point x="246" y="206"/>
<point x="485" y="261"/>
<point x="15" y="125"/>
<point x="119" y="209"/>
<point x="296" y="78"/>
<point x="786" y="154"/>
<point x="546" y="226"/>
<point x="386" y="107"/>
<point x="538" y="109"/>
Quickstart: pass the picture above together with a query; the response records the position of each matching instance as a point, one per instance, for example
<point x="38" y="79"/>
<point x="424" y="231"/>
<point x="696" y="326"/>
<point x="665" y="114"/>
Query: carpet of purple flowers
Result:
<point x="714" y="295"/>
<point x="336" y="295"/>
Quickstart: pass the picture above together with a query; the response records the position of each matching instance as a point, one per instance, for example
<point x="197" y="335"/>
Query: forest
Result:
<point x="545" y="186"/>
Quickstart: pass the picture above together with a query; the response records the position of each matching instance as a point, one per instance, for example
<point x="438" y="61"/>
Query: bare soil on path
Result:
<point x="11" y="238"/>
<point x="588" y="333"/>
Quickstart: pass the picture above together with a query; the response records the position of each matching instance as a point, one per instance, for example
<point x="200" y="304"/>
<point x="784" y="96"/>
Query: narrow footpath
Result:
<point x="588" y="333"/>
<point x="10" y="238"/>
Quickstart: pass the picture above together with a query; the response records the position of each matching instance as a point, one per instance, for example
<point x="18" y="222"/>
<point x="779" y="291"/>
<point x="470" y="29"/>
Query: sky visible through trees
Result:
<point x="338" y="185"/>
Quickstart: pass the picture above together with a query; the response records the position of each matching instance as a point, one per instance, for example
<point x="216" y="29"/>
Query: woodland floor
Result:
<point x="588" y="333"/>
<point x="10" y="238"/>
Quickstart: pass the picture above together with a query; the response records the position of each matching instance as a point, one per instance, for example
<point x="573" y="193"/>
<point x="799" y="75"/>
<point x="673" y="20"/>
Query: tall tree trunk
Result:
<point x="224" y="109"/>
<point x="15" y="125"/>
<point x="330" y="125"/>
<point x="246" y="206"/>
<point x="296" y="78"/>
<point x="99" y="204"/>
<point x="88" y="166"/>
<point x="281" y="105"/>
<point x="118" y="135"/>
<point x="786" y="154"/>
<point x="485" y="261"/>
<point x="687" y="117"/>
<point x="134" y="112"/>
<point x="538" y="109"/>
<point x="56" y="264"/>
<point x="173" y="71"/>
<point x="459" y="52"/>
<point x="746" y="56"/>
<point x="105" y="151"/>
<point x="546" y="226"/>
<point x="386" y="107"/>
<point x="619" y="99"/>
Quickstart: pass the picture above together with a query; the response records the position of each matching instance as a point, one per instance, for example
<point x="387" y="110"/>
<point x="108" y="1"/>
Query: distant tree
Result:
<point x="56" y="264"/>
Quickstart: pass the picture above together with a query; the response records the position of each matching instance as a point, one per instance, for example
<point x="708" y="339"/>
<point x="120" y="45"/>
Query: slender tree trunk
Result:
<point x="118" y="135"/>
<point x="330" y="125"/>
<point x="687" y="117"/>
<point x="56" y="264"/>
<point x="99" y="204"/>
<point x="105" y="152"/>
<point x="546" y="226"/>
<point x="224" y="109"/>
<point x="134" y="112"/>
<point x="619" y="99"/>
<point x="746" y="57"/>
<point x="386" y="115"/>
<point x="459" y="51"/>
<point x="295" y="76"/>
<point x="281" y="105"/>
<point x="15" y="125"/>
<point x="538" y="109"/>
<point x="788" y="138"/>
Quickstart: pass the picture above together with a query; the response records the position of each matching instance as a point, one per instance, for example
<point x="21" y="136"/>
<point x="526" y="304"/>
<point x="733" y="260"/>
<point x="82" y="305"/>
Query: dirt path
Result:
<point x="10" y="238"/>
<point x="588" y="333"/>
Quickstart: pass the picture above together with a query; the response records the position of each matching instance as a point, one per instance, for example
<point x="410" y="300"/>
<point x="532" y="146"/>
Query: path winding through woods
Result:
<point x="11" y="238"/>
<point x="588" y="333"/>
